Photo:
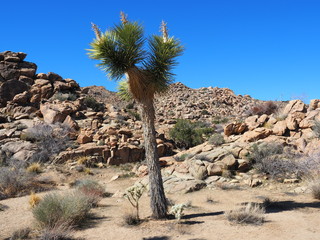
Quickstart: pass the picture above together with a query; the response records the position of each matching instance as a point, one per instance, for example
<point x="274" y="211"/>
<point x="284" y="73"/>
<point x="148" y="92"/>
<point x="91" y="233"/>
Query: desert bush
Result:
<point x="64" y="96"/>
<point x="216" y="139"/>
<point x="21" y="234"/>
<point x="133" y="194"/>
<point x="309" y="166"/>
<point x="220" y="120"/>
<point x="50" y="140"/>
<point x="14" y="181"/>
<point x="92" y="189"/>
<point x="275" y="160"/>
<point x="250" y="214"/>
<point x="183" y="157"/>
<point x="136" y="116"/>
<point x="59" y="232"/>
<point x="315" y="189"/>
<point x="177" y="210"/>
<point x="316" y="129"/>
<point x="187" y="134"/>
<point x="94" y="104"/>
<point x="268" y="108"/>
<point x="62" y="210"/>
<point x="131" y="219"/>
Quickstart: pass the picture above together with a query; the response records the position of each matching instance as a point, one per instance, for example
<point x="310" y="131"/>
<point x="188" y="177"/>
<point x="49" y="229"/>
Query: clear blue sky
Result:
<point x="269" y="49"/>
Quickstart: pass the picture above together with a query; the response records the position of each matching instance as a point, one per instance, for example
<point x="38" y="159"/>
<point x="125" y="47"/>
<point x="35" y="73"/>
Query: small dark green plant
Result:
<point x="66" y="210"/>
<point x="205" y="112"/>
<point x="216" y="139"/>
<point x="94" y="104"/>
<point x="220" y="120"/>
<point x="187" y="134"/>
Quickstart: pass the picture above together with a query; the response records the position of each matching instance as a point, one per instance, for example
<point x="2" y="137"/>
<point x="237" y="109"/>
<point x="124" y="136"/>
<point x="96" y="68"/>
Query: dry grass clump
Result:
<point x="268" y="108"/>
<point x="62" y="210"/>
<point x="34" y="168"/>
<point x="34" y="200"/>
<point x="250" y="214"/>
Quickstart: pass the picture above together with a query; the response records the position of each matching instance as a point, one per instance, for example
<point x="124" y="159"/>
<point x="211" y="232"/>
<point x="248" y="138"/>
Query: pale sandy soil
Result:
<point x="297" y="217"/>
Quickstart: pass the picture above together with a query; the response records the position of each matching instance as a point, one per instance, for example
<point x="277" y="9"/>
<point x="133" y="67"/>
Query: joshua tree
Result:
<point x="123" y="51"/>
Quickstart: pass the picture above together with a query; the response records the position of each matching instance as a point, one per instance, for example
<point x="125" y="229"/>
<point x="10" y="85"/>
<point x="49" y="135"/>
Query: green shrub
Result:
<point x="216" y="139"/>
<point x="136" y="116"/>
<point x="62" y="210"/>
<point x="219" y="120"/>
<point x="94" y="104"/>
<point x="187" y="134"/>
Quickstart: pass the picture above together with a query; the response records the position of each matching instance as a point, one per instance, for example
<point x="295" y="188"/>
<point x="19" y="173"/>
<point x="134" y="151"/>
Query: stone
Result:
<point x="229" y="162"/>
<point x="243" y="165"/>
<point x="262" y="119"/>
<point x="83" y="138"/>
<point x="198" y="171"/>
<point x="280" y="128"/>
<point x="21" y="98"/>
<point x="235" y="129"/>
<point x="214" y="169"/>
<point x="314" y="104"/>
<point x="9" y="89"/>
<point x="256" y="134"/>
<point x="51" y="115"/>
<point x="252" y="122"/>
<point x="295" y="106"/>
<point x="71" y="123"/>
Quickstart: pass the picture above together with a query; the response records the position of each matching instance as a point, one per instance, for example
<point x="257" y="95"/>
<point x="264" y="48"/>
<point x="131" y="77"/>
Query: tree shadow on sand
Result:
<point x="280" y="206"/>
<point x="157" y="238"/>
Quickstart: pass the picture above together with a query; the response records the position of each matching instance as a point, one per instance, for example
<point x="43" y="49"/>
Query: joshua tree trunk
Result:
<point x="157" y="195"/>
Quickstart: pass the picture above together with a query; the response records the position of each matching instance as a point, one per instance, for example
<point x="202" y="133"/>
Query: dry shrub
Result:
<point x="92" y="189"/>
<point x="65" y="210"/>
<point x="250" y="214"/>
<point x="59" y="232"/>
<point x="268" y="108"/>
<point x="131" y="219"/>
<point x="34" y="168"/>
<point x="14" y="181"/>
<point x="34" y="200"/>
<point x="21" y="234"/>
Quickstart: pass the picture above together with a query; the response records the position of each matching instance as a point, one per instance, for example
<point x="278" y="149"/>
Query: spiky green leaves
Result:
<point x="119" y="49"/>
<point x="124" y="91"/>
<point x="162" y="59"/>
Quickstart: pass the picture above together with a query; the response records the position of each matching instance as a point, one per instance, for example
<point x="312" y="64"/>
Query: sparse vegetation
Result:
<point x="220" y="120"/>
<point x="50" y="140"/>
<point x="21" y="234"/>
<point x="131" y="219"/>
<point x="268" y="108"/>
<point x="216" y="139"/>
<point x="92" y="189"/>
<point x="250" y="214"/>
<point x="133" y="194"/>
<point x="34" y="200"/>
<point x="177" y="210"/>
<point x="14" y="180"/>
<point x="34" y="168"/>
<point x="62" y="210"/>
<point x="94" y="104"/>
<point x="59" y="232"/>
<point x="187" y="134"/>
